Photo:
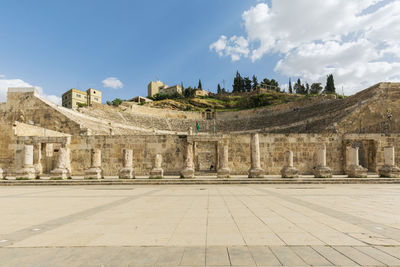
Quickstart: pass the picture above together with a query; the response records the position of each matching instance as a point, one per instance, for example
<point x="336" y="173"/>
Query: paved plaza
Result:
<point x="203" y="225"/>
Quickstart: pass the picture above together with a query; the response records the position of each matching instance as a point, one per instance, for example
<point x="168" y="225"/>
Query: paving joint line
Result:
<point x="388" y="232"/>
<point x="27" y="232"/>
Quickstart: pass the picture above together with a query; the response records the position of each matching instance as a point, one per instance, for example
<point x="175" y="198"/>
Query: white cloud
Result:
<point x="358" y="40"/>
<point x="6" y="83"/>
<point x="235" y="47"/>
<point x="112" y="82"/>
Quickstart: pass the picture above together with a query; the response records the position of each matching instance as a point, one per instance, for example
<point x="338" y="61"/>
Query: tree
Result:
<point x="255" y="82"/>
<point x="307" y="91"/>
<point x="200" y="86"/>
<point x="247" y="84"/>
<point x="290" y="87"/>
<point x="316" y="88"/>
<point x="330" y="85"/>
<point x="219" y="91"/>
<point x="238" y="83"/>
<point x="189" y="92"/>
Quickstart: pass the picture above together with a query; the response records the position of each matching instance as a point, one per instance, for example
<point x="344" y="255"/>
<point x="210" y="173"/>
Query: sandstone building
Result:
<point x="360" y="133"/>
<point x="159" y="87"/>
<point x="73" y="97"/>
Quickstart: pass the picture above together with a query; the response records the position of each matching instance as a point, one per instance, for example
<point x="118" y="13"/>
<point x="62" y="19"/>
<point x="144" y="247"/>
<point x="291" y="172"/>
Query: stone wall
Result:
<point x="145" y="148"/>
<point x="7" y="144"/>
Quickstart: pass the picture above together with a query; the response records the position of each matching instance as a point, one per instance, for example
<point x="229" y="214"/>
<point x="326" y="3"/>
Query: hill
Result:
<point x="228" y="102"/>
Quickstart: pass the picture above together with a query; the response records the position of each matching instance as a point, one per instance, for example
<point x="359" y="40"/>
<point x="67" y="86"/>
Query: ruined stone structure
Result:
<point x="157" y="171"/>
<point x="389" y="169"/>
<point x="289" y="171"/>
<point x="127" y="171"/>
<point x="39" y="138"/>
<point x="321" y="170"/>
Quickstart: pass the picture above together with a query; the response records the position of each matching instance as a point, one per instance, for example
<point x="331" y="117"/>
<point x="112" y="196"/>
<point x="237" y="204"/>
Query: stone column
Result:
<point x="157" y="171"/>
<point x="255" y="171"/>
<point x="37" y="158"/>
<point x="289" y="171"/>
<point x="188" y="171"/>
<point x="127" y="170"/>
<point x="223" y="168"/>
<point x="354" y="169"/>
<point x="95" y="171"/>
<point x="390" y="169"/>
<point x="63" y="164"/>
<point x="28" y="171"/>
<point x="2" y="175"/>
<point x="321" y="170"/>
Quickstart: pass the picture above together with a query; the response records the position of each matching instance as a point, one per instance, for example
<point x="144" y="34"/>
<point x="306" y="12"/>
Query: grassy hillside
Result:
<point x="228" y="101"/>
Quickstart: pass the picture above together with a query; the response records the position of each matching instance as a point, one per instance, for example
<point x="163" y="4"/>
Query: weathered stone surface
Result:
<point x="157" y="171"/>
<point x="289" y="171"/>
<point x="127" y="172"/>
<point x="95" y="171"/>
<point x="321" y="170"/>
<point x="28" y="171"/>
<point x="188" y="171"/>
<point x="223" y="170"/>
<point x="255" y="171"/>
<point x="354" y="169"/>
<point x="2" y="175"/>
<point x="389" y="169"/>
<point x="63" y="164"/>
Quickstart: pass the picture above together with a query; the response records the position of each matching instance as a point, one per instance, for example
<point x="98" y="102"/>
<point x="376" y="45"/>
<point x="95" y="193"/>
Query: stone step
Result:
<point x="200" y="181"/>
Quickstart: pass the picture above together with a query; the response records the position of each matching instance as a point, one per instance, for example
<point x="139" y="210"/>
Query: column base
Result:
<point x="126" y="173"/>
<point x="389" y="171"/>
<point x="289" y="172"/>
<point x="157" y="173"/>
<point x="187" y="173"/>
<point x="322" y="172"/>
<point x="256" y="173"/>
<point x="93" y="173"/>
<point x="356" y="171"/>
<point x="29" y="173"/>
<point x="63" y="173"/>
<point x="223" y="173"/>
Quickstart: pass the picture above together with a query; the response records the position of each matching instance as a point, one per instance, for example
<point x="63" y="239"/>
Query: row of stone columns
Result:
<point x="354" y="169"/>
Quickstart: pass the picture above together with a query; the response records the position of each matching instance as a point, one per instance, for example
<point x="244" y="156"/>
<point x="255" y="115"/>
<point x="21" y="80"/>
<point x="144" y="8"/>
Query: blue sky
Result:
<point x="57" y="45"/>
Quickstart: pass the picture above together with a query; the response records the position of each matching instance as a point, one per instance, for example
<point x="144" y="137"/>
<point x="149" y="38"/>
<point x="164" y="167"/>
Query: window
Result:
<point x="78" y="95"/>
<point x="96" y="99"/>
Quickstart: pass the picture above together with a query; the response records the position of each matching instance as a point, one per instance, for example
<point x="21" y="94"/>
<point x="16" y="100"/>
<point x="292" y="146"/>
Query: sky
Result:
<point x="120" y="46"/>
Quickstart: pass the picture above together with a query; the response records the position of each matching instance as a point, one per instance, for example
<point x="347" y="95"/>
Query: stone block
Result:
<point x="322" y="172"/>
<point x="157" y="173"/>
<point x="289" y="172"/>
<point x="2" y="175"/>
<point x="256" y="173"/>
<point x="223" y="173"/>
<point x="187" y="173"/>
<point x="126" y="173"/>
<point x="63" y="173"/>
<point x="93" y="173"/>
<point x="356" y="171"/>
<point x="28" y="172"/>
<point x="389" y="171"/>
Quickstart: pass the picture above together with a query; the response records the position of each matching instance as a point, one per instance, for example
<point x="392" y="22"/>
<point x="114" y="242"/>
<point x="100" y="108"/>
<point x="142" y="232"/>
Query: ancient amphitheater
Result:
<point x="321" y="136"/>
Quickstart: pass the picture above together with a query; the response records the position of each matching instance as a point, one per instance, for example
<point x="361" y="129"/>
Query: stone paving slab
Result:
<point x="175" y="256"/>
<point x="201" y="225"/>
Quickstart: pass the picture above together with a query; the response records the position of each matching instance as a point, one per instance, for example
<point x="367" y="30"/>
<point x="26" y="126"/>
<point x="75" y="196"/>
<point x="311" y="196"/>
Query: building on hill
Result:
<point x="159" y="87"/>
<point x="73" y="97"/>
<point x="201" y="92"/>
